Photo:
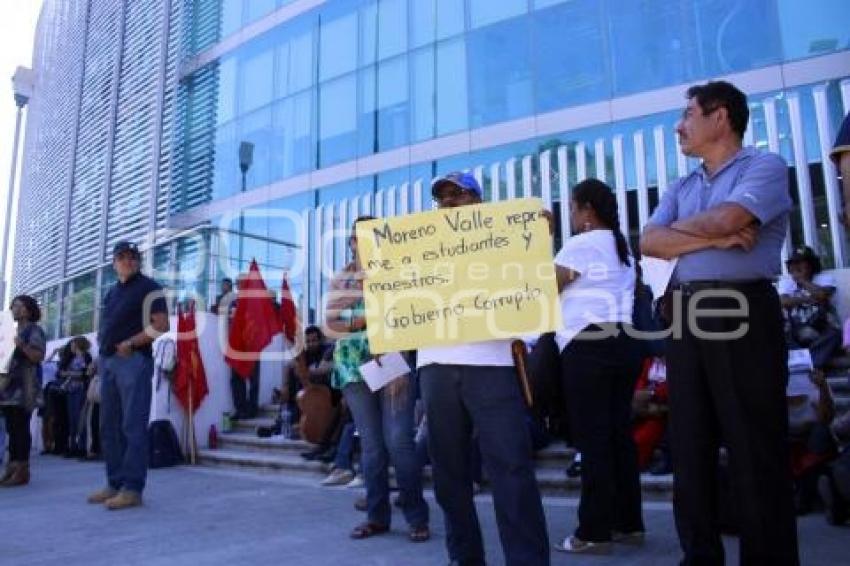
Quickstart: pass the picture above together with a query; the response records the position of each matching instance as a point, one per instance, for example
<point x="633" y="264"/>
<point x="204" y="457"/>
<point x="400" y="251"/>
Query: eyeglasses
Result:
<point x="451" y="193"/>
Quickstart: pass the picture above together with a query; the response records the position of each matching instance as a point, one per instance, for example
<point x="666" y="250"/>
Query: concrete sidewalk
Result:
<point x="203" y="517"/>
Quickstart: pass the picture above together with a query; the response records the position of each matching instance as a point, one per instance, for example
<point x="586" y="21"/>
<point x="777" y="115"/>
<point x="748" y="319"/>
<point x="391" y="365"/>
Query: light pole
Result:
<point x="246" y="158"/>
<point x="21" y="99"/>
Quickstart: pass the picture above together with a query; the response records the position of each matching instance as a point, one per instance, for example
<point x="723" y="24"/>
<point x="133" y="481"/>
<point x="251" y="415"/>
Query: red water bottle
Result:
<point x="212" y="440"/>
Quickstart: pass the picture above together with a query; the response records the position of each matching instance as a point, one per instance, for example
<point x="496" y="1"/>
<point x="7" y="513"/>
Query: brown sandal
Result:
<point x="368" y="529"/>
<point x="419" y="534"/>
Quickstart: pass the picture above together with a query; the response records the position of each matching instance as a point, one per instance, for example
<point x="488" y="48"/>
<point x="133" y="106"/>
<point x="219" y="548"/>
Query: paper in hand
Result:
<point x="377" y="376"/>
<point x="657" y="273"/>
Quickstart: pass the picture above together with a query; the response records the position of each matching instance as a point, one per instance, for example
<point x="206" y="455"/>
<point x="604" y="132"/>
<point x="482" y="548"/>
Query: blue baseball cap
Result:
<point x="465" y="181"/>
<point x="125" y="246"/>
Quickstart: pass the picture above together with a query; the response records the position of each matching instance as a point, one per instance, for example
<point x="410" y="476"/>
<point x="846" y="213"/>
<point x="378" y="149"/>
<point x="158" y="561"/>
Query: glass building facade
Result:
<point x="353" y="106"/>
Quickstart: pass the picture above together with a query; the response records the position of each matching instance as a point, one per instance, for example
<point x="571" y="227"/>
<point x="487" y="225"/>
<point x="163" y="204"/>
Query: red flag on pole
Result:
<point x="255" y="323"/>
<point x="288" y="319"/>
<point x="190" y="367"/>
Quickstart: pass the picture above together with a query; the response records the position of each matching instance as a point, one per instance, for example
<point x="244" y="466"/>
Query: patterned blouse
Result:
<point x="351" y="351"/>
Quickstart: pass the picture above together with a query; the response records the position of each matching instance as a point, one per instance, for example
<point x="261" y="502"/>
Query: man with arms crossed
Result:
<point x="726" y="222"/>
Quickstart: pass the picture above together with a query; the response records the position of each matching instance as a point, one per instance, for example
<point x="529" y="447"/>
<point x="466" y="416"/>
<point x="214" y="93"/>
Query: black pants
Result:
<point x="246" y="401"/>
<point x="599" y="379"/>
<point x="18" y="429"/>
<point x="732" y="390"/>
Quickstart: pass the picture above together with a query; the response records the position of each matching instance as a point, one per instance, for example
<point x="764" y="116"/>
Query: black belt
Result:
<point x="753" y="286"/>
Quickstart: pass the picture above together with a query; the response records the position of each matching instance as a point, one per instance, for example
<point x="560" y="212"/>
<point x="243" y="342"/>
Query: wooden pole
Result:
<point x="192" y="445"/>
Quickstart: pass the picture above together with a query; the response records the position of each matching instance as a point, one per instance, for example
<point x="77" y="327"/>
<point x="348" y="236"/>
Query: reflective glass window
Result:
<point x="257" y="81"/>
<point x="710" y="37"/>
<point x="451" y="18"/>
<point x="500" y="88"/>
<point x="282" y="62"/>
<point x="231" y="16"/>
<point x="392" y="28"/>
<point x="227" y="87"/>
<point x="368" y="33"/>
<point x="225" y="162"/>
<point x="540" y="4"/>
<point x="301" y="59"/>
<point x="422" y="94"/>
<point x="814" y="27"/>
<point x="570" y="55"/>
<point x="486" y="12"/>
<point x="423" y="22"/>
<point x="256" y="9"/>
<point x="338" y="120"/>
<point x="338" y="46"/>
<point x="293" y="138"/>
<point x="737" y="36"/>
<point x="452" y="89"/>
<point x="367" y="114"/>
<point x="393" y="116"/>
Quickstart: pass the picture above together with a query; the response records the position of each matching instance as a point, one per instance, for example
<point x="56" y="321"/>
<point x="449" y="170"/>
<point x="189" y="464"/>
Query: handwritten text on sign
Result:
<point x="457" y="275"/>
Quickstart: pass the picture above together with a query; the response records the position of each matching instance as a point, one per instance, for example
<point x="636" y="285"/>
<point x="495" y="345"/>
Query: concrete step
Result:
<point x="251" y="425"/>
<point x="249" y="441"/>
<point x="281" y="457"/>
<point x="262" y="462"/>
<point x="839" y="384"/>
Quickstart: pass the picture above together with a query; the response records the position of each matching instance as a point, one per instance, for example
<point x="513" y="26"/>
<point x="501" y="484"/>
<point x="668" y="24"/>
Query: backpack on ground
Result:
<point x="164" y="445"/>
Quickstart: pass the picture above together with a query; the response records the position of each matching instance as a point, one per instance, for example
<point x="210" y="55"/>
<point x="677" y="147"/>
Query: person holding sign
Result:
<point x="384" y="418"/>
<point x="600" y="363"/>
<point x="474" y="385"/>
<point x="20" y="388"/>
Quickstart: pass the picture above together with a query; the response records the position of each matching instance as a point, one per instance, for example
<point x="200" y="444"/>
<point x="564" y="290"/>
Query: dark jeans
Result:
<point x="245" y="401"/>
<point x="458" y="398"/>
<point x="126" y="390"/>
<point x="599" y="379"/>
<point x="74" y="400"/>
<point x="18" y="430"/>
<point x="56" y="417"/>
<point x="385" y="425"/>
<point x="733" y="389"/>
<point x="344" y="459"/>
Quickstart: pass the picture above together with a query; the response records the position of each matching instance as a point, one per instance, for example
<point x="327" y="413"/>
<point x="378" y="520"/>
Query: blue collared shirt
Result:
<point x="753" y="179"/>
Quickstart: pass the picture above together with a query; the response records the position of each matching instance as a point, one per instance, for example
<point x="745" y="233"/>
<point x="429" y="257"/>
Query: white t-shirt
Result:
<point x="787" y="286"/>
<point x="489" y="353"/>
<point x="604" y="290"/>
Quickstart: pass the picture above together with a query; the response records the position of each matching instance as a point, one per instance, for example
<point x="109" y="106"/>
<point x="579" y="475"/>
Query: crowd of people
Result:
<point x="702" y="407"/>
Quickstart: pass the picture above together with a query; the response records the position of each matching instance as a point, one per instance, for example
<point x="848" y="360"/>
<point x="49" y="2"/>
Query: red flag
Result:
<point x="190" y="366"/>
<point x="288" y="320"/>
<point x="254" y="323"/>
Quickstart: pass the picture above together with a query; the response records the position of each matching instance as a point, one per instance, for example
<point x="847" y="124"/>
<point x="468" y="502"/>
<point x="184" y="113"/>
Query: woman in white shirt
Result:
<point x="600" y="363"/>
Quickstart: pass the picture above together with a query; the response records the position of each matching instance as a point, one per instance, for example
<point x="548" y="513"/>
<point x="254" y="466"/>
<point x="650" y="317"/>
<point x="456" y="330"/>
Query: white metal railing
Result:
<point x="515" y="177"/>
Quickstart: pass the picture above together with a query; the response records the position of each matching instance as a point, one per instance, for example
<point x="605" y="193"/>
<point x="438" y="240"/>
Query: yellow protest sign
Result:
<point x="457" y="275"/>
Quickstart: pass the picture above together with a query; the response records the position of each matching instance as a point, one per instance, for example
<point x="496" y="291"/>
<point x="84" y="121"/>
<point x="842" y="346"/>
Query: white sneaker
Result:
<point x="575" y="545"/>
<point x="338" y="477"/>
<point x="356" y="481"/>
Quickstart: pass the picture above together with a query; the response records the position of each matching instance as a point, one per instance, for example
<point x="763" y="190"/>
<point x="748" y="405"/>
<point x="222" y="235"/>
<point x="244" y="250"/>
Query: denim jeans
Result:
<point x="488" y="399"/>
<point x="385" y="425"/>
<point x="74" y="400"/>
<point x="125" y="405"/>
<point x="344" y="459"/>
<point x="2" y="437"/>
